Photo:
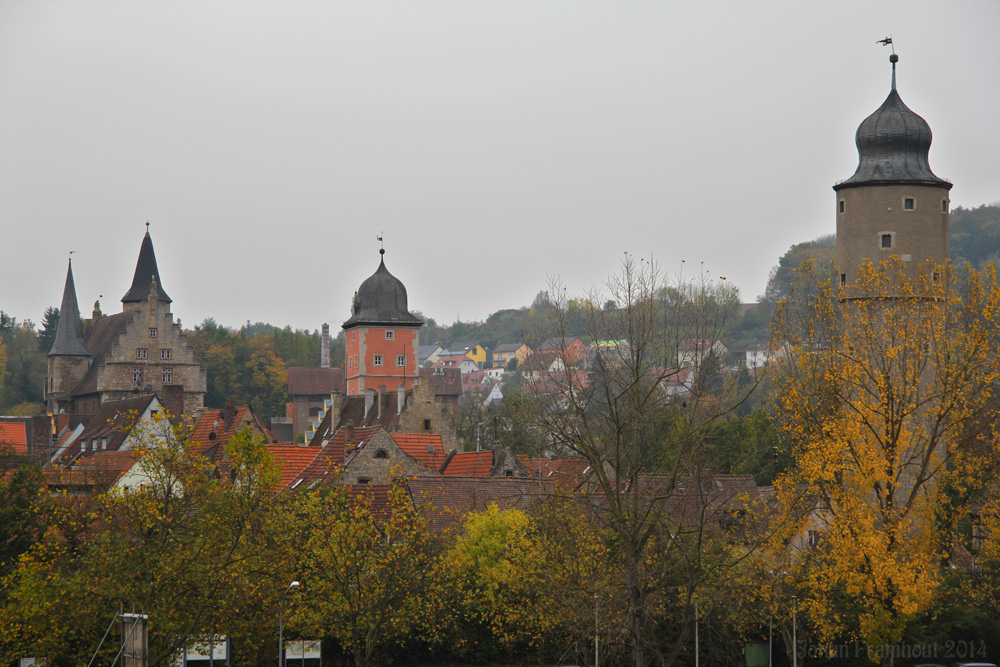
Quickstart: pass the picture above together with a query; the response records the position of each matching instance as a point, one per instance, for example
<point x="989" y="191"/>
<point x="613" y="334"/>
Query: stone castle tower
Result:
<point x="383" y="338"/>
<point x="893" y="204"/>
<point x="139" y="350"/>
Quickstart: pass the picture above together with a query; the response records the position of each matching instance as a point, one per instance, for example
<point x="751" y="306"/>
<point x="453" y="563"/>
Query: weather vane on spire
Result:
<point x="147" y="226"/>
<point x="71" y="255"/>
<point x="887" y="41"/>
<point x="381" y="249"/>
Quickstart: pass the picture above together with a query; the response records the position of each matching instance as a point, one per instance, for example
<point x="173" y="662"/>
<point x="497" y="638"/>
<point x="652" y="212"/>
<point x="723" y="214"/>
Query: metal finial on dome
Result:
<point x="893" y="58"/>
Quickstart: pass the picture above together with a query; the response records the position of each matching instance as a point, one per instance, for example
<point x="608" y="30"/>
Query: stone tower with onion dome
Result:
<point x="893" y="204"/>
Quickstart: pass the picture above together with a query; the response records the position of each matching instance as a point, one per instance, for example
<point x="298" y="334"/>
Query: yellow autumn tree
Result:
<point x="888" y="392"/>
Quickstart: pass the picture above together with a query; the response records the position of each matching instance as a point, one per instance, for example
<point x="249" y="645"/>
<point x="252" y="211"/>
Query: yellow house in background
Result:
<point x="507" y="351"/>
<point x="473" y="351"/>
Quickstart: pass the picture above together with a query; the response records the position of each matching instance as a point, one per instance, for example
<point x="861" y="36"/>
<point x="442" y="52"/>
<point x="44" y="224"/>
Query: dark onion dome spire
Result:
<point x="893" y="144"/>
<point x="381" y="300"/>
<point x="145" y="271"/>
<point x="69" y="332"/>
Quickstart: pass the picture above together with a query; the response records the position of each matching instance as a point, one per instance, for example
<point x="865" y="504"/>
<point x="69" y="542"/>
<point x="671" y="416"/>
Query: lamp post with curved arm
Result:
<point x="281" y="624"/>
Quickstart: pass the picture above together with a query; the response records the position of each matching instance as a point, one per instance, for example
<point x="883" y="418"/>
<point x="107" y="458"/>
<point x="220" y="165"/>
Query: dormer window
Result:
<point x="390" y="334"/>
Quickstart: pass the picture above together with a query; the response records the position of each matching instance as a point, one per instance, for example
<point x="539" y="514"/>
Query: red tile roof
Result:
<point x="444" y="501"/>
<point x="213" y="431"/>
<point x="14" y="434"/>
<point x="292" y="460"/>
<point x="445" y="381"/>
<point x="566" y="472"/>
<point x="420" y="446"/>
<point x="469" y="464"/>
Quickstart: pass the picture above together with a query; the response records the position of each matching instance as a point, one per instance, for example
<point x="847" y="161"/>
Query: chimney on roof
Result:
<point x="228" y="414"/>
<point x="349" y="432"/>
<point x="324" y="351"/>
<point x="369" y="399"/>
<point x="400" y="398"/>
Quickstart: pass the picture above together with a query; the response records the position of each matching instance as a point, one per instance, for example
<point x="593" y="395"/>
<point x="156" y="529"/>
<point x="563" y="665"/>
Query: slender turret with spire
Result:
<point x="145" y="272"/>
<point x="69" y="331"/>
<point x="69" y="359"/>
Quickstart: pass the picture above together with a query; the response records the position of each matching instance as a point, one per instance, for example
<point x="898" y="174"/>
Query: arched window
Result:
<point x="381" y="454"/>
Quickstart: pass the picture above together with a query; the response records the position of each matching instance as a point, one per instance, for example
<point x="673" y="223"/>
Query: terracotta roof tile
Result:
<point x="444" y="501"/>
<point x="424" y="447"/>
<point x="14" y="433"/>
<point x="292" y="460"/>
<point x="445" y="381"/>
<point x="566" y="472"/>
<point x="469" y="464"/>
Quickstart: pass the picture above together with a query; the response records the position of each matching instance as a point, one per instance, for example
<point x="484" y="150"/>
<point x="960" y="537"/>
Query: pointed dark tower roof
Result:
<point x="145" y="271"/>
<point x="69" y="332"/>
<point x="381" y="300"/>
<point x="893" y="144"/>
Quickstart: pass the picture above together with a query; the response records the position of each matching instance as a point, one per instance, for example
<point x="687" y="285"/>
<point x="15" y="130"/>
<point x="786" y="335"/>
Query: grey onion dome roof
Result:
<point x="69" y="332"/>
<point x="381" y="299"/>
<point x="893" y="144"/>
<point x="145" y="271"/>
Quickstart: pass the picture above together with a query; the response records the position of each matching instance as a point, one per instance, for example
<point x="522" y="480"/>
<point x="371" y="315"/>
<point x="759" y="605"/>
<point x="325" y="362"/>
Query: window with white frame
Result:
<point x="165" y="353"/>
<point x="137" y="376"/>
<point x="377" y="360"/>
<point x="401" y="360"/>
<point x="390" y="334"/>
<point x="141" y="353"/>
<point x="152" y="332"/>
<point x="168" y="375"/>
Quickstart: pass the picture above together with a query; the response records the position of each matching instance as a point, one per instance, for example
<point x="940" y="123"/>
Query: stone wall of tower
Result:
<point x="154" y="345"/>
<point x="918" y="235"/>
<point x="64" y="374"/>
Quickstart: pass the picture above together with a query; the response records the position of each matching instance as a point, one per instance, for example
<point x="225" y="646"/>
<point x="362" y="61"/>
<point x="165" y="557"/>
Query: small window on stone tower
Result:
<point x="843" y="278"/>
<point x="152" y="332"/>
<point x="427" y="424"/>
<point x="944" y="205"/>
<point x="841" y="205"/>
<point x="141" y="353"/>
<point x="887" y="240"/>
<point x="381" y="454"/>
<point x="908" y="204"/>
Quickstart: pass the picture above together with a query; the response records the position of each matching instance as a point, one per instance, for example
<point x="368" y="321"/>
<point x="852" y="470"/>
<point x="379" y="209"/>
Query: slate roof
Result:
<point x="444" y="501"/>
<point x="145" y="272"/>
<point x="506" y="348"/>
<point x="69" y="330"/>
<point x="316" y="381"/>
<point x="893" y="145"/>
<point x="103" y="334"/>
<point x="381" y="300"/>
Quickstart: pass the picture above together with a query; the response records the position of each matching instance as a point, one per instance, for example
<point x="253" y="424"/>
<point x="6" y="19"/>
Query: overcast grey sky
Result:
<point x="494" y="143"/>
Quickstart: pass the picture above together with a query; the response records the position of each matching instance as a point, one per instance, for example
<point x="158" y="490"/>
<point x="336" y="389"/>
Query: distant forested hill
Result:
<point x="974" y="236"/>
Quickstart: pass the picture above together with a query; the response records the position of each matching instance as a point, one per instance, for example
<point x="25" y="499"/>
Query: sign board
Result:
<point x="302" y="649"/>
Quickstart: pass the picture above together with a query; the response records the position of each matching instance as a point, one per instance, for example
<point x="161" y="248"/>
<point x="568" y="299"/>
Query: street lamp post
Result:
<point x="281" y="624"/>
<point x="695" y="631"/>
<point x="795" y="643"/>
